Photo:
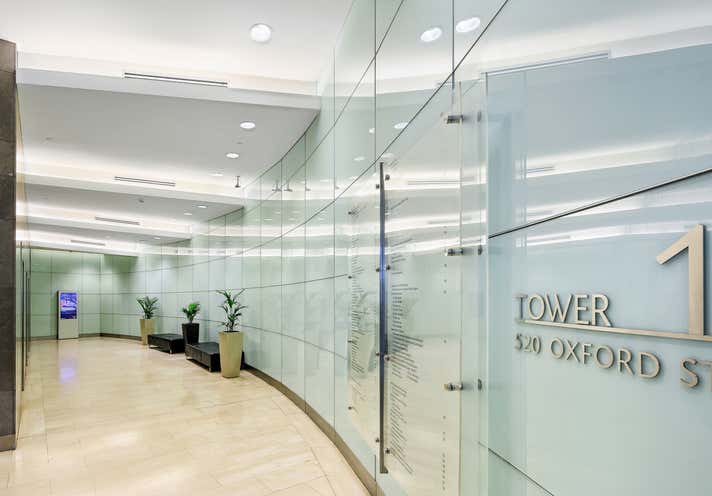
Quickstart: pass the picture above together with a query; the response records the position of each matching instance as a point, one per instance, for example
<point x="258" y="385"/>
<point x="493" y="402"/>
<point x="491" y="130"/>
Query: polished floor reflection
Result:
<point x="109" y="417"/>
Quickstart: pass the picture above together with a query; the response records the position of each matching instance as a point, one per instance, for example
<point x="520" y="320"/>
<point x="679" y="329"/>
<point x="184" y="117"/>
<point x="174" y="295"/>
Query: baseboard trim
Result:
<point x="361" y="472"/>
<point x="8" y="442"/>
<point x="92" y="335"/>
<point x="119" y="336"/>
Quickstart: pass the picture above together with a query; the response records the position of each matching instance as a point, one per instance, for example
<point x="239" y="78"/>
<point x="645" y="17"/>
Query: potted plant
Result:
<point x="149" y="306"/>
<point x="191" y="331"/>
<point x="231" y="338"/>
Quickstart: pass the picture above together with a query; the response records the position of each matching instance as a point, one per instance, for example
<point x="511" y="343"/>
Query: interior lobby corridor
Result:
<point x="104" y="416"/>
<point x="356" y="248"/>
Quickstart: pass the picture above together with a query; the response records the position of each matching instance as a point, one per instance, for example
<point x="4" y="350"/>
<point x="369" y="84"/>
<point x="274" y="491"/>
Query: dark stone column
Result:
<point x="7" y="245"/>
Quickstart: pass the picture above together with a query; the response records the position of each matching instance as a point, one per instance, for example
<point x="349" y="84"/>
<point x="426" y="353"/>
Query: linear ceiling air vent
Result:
<point x="144" y="181"/>
<point x="80" y="242"/>
<point x="118" y="221"/>
<point x="173" y="79"/>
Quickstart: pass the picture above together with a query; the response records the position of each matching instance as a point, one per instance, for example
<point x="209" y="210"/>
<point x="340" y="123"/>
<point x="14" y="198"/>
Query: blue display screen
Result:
<point x="67" y="306"/>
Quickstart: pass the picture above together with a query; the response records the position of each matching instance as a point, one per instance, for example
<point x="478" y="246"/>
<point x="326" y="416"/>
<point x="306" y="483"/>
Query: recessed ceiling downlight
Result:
<point x="468" y="25"/>
<point x="430" y="35"/>
<point x="232" y="155"/>
<point x="248" y="125"/>
<point x="261" y="33"/>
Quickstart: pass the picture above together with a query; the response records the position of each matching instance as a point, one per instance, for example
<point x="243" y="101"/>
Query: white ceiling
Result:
<point x="77" y="140"/>
<point x="187" y="36"/>
<point x="155" y="136"/>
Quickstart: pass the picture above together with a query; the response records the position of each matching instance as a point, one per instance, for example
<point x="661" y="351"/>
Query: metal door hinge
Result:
<point x="454" y="386"/>
<point x="451" y="252"/>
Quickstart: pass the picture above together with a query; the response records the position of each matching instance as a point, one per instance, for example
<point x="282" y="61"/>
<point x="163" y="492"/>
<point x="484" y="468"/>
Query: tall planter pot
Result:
<point x="147" y="328"/>
<point x="230" y="353"/>
<point x="191" y="333"/>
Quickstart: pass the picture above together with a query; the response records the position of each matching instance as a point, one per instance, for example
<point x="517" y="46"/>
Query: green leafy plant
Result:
<point x="149" y="306"/>
<point x="232" y="308"/>
<point x="191" y="311"/>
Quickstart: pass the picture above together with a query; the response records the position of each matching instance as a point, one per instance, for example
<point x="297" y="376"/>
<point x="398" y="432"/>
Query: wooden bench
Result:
<point x="207" y="354"/>
<point x="171" y="343"/>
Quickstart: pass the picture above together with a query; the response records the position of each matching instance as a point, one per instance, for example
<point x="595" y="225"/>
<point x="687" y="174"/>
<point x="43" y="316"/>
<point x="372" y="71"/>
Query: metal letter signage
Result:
<point x="588" y="312"/>
<point x="694" y="242"/>
<point x="553" y="311"/>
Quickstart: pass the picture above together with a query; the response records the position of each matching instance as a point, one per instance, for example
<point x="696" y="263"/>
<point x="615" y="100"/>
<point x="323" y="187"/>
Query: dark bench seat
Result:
<point x="171" y="343"/>
<point x="207" y="354"/>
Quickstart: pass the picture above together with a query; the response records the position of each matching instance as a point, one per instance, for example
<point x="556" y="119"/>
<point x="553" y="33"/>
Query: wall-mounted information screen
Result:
<point x="67" y="314"/>
<point x="67" y="305"/>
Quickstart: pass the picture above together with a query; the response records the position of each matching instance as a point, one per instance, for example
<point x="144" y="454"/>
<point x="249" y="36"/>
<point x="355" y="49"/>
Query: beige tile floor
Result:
<point x="105" y="417"/>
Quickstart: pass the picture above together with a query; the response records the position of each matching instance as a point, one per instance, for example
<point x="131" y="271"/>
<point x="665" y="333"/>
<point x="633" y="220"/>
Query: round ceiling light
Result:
<point x="202" y="206"/>
<point x="400" y="125"/>
<point x="248" y="125"/>
<point x="232" y="155"/>
<point x="187" y="213"/>
<point x="430" y="35"/>
<point x="468" y="25"/>
<point x="261" y="33"/>
<point x="372" y="130"/>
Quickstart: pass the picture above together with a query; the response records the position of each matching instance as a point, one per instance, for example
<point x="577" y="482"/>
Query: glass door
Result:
<point x="423" y="272"/>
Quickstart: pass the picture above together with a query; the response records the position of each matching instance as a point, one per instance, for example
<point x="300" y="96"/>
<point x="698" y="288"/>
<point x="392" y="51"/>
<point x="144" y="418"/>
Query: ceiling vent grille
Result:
<point x="173" y="79"/>
<point x="139" y="180"/>
<point x="118" y="221"/>
<point x="80" y="242"/>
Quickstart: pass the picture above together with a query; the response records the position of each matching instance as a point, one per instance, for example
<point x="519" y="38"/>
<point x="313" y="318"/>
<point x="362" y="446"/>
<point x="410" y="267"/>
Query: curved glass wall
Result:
<point x="388" y="259"/>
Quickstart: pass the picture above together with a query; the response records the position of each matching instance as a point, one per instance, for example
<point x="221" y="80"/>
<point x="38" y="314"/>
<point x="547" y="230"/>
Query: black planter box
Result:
<point x="191" y="333"/>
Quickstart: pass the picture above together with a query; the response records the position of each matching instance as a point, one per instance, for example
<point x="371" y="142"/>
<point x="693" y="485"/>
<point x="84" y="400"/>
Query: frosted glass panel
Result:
<point x="271" y="354"/>
<point x="355" y="134"/>
<point x="293" y="206"/>
<point x="357" y="306"/>
<point x="293" y="256"/>
<point x="320" y="176"/>
<point x="409" y="70"/>
<point x="639" y="120"/>
<point x="319" y="313"/>
<point x="354" y="50"/>
<point x="293" y="364"/>
<point x="319" y="381"/>
<point x="422" y="418"/>
<point x="319" y="261"/>
<point x="293" y="310"/>
<point x="294" y="159"/>
<point x="611" y="251"/>
<point x="271" y="261"/>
